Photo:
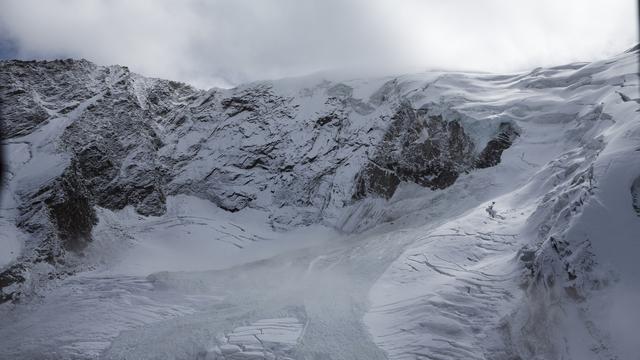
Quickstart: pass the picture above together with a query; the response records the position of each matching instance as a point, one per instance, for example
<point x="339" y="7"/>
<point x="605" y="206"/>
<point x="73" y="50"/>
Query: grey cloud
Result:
<point x="223" y="43"/>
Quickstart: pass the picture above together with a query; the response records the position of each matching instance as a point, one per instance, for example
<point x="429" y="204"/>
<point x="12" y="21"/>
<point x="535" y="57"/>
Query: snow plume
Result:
<point x="224" y="43"/>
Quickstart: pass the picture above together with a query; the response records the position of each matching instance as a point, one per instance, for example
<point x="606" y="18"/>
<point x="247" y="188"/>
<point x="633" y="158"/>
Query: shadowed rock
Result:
<point x="426" y="150"/>
<point x="491" y="154"/>
<point x="417" y="147"/>
<point x="635" y="195"/>
<point x="72" y="211"/>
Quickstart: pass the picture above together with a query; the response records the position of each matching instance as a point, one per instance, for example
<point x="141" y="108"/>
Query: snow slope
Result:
<point x="193" y="235"/>
<point x="316" y="219"/>
<point x="552" y="275"/>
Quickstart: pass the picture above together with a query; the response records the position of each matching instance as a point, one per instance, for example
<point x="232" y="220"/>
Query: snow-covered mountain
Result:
<point x="321" y="217"/>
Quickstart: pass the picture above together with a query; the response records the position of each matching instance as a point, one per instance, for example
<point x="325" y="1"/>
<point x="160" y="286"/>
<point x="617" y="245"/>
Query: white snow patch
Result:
<point x="193" y="235"/>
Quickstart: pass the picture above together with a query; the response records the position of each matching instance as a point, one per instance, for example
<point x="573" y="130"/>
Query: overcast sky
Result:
<point x="227" y="42"/>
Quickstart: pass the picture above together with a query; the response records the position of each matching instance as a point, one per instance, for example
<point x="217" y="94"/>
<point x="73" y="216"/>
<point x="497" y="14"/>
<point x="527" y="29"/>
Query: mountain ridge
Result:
<point x="423" y="155"/>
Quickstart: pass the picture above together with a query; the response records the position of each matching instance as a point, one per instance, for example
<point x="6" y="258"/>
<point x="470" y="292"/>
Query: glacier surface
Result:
<point x="321" y="219"/>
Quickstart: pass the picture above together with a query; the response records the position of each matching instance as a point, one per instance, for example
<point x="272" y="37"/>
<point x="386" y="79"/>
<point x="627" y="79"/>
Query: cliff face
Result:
<point x="419" y="148"/>
<point x="304" y="151"/>
<point x="423" y="155"/>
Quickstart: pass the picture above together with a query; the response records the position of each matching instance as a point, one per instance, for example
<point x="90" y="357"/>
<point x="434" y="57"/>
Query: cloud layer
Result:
<point x="227" y="42"/>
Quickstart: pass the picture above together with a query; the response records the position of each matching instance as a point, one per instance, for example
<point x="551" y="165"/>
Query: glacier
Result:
<point x="320" y="217"/>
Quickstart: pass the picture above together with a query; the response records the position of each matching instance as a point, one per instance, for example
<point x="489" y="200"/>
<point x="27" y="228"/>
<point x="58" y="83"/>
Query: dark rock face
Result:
<point x="30" y="91"/>
<point x="8" y="277"/>
<point x="119" y="171"/>
<point x="635" y="195"/>
<point x="111" y="144"/>
<point x="324" y="120"/>
<point x="61" y="214"/>
<point x="254" y="100"/>
<point x="426" y="150"/>
<point x="491" y="154"/>
<point x="71" y="210"/>
<point x="376" y="180"/>
<point x="20" y="120"/>
<point x="417" y="147"/>
<point x="122" y="170"/>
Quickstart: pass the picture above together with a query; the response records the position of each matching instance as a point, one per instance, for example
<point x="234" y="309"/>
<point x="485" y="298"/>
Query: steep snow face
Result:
<point x="551" y="273"/>
<point x="139" y="208"/>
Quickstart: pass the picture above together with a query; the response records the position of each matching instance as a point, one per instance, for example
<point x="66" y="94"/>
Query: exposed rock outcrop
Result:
<point x="31" y="91"/>
<point x="71" y="210"/>
<point x="417" y="147"/>
<point x="427" y="150"/>
<point x="59" y="217"/>
<point x="635" y="195"/>
<point x="490" y="155"/>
